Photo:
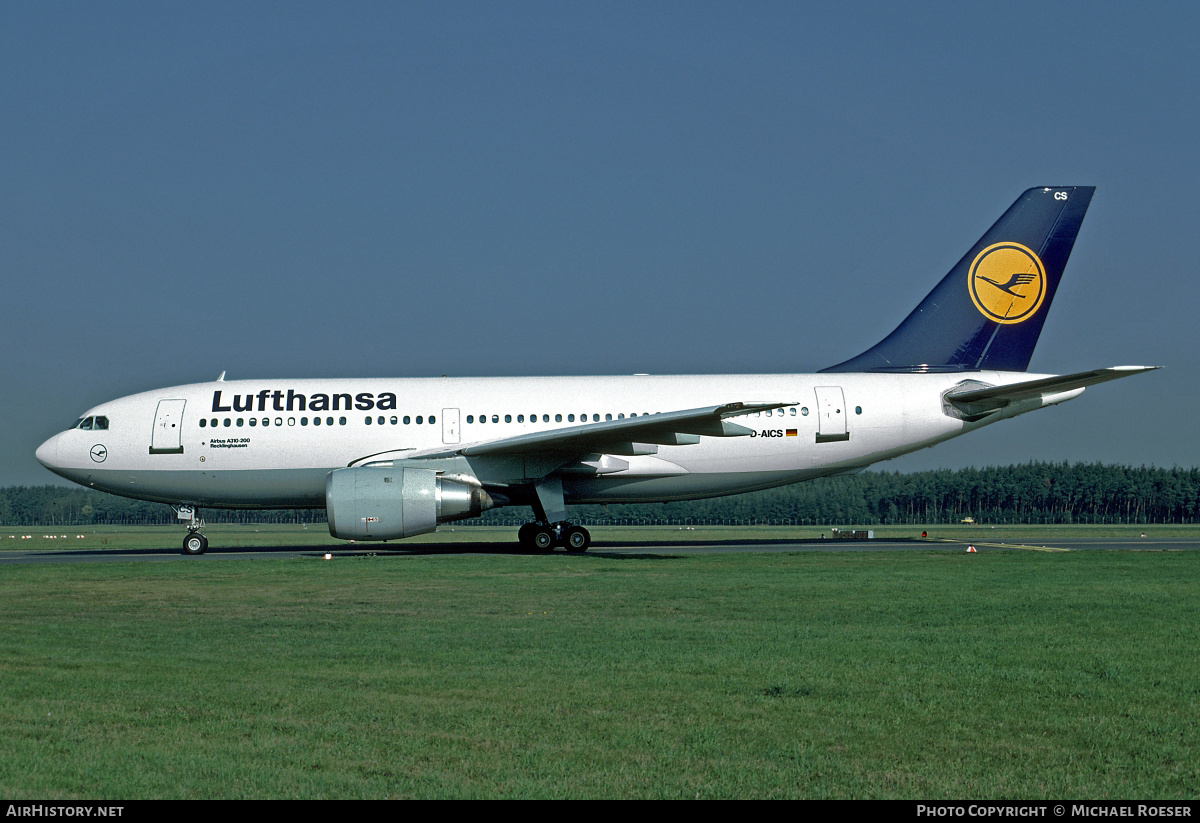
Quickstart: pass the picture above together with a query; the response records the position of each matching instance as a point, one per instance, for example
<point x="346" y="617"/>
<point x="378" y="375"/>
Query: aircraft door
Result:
<point x="450" y="426"/>
<point x="167" y="437"/>
<point x="831" y="415"/>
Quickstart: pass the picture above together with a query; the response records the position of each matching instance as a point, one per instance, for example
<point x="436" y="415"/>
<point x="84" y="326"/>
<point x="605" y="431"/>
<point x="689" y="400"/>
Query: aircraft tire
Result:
<point x="541" y="539"/>
<point x="577" y="539"/>
<point x="195" y="543"/>
<point x="525" y="534"/>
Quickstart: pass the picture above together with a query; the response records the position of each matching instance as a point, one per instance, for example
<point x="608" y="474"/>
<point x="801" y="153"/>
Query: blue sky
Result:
<point x="408" y="189"/>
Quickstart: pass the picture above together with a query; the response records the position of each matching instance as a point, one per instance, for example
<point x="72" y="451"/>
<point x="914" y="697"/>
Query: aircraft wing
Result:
<point x="981" y="401"/>
<point x="677" y="428"/>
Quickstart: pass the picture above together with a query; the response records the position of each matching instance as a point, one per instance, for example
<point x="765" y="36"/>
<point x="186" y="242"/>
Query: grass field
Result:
<point x="923" y="674"/>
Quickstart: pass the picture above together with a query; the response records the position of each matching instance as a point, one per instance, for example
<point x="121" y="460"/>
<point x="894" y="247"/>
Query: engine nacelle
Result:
<point x="387" y="503"/>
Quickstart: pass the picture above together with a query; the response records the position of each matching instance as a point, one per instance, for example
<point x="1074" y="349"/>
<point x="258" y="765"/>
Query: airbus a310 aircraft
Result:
<point x="390" y="459"/>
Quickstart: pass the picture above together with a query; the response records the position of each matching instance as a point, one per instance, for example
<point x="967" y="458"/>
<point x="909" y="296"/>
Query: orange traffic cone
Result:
<point x="971" y="550"/>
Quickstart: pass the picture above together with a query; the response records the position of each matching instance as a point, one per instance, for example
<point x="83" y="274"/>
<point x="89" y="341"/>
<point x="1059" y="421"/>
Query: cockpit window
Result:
<point x="90" y="423"/>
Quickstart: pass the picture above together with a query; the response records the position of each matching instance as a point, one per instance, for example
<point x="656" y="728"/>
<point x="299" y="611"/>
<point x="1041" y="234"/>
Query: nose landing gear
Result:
<point x="195" y="543"/>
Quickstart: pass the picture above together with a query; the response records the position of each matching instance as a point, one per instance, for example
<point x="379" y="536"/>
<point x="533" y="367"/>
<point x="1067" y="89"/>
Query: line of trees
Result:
<point x="1028" y="493"/>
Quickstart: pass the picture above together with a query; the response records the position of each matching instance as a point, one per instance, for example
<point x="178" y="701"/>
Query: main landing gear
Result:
<point x="552" y="528"/>
<point x="195" y="543"/>
<point x="543" y="537"/>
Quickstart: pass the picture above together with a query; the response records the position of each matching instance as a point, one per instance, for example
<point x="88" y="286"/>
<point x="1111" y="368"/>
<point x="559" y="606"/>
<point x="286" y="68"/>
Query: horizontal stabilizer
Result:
<point x="979" y="401"/>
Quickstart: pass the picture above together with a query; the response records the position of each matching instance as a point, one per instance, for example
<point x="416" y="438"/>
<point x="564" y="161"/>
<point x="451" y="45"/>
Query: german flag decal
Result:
<point x="791" y="432"/>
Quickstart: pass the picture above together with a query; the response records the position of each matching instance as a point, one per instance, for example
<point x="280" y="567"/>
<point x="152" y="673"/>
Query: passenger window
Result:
<point x="608" y="417"/>
<point x="545" y="418"/>
<point x="368" y="420"/>
<point x="203" y="422"/>
<point x="470" y="418"/>
<point x="380" y="420"/>
<point x="341" y="421"/>
<point x="303" y="421"/>
<point x="495" y="418"/>
<point x="279" y="421"/>
<point x="432" y="419"/>
<point x="508" y="418"/>
<point x="407" y="419"/>
<point x="596" y="418"/>
<point x="226" y="422"/>
<point x="240" y="422"/>
<point x="520" y="418"/>
<point x="418" y="419"/>
<point x="394" y="420"/>
<point x="570" y="418"/>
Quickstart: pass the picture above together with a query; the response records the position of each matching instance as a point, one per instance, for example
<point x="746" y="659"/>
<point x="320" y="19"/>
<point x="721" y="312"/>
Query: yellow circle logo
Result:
<point x="1007" y="283"/>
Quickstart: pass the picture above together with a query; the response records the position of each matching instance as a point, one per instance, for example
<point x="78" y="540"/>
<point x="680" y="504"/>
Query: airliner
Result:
<point x="393" y="458"/>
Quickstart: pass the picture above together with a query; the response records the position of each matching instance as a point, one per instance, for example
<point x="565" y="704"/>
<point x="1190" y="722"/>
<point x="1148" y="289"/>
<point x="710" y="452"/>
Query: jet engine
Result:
<point x="387" y="503"/>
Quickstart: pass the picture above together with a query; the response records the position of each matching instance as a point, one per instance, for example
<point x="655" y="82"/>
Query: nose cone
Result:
<point x="47" y="453"/>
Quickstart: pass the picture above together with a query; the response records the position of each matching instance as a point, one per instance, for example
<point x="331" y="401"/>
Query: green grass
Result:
<point x="911" y="675"/>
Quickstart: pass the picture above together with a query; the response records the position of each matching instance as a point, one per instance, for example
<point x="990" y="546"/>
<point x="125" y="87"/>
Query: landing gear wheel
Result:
<point x="577" y="539"/>
<point x="525" y="534"/>
<point x="195" y="543"/>
<point x="537" y="537"/>
<point x="542" y="538"/>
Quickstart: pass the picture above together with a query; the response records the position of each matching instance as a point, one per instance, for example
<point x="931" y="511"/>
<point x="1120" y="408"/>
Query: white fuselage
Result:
<point x="271" y="443"/>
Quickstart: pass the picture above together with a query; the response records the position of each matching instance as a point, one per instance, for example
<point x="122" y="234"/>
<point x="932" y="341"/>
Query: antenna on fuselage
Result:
<point x="221" y="377"/>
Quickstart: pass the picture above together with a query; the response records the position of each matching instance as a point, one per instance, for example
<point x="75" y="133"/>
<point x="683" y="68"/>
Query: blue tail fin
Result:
<point x="988" y="311"/>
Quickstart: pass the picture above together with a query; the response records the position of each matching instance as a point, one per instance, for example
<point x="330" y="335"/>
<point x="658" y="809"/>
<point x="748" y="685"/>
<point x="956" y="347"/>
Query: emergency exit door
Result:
<point x="167" y="437"/>
<point x="450" y="426"/>
<point x="831" y="415"/>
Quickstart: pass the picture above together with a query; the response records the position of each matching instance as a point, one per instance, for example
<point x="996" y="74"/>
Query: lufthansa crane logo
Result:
<point x="1007" y="283"/>
<point x="99" y="453"/>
